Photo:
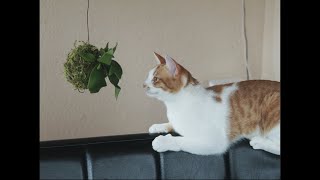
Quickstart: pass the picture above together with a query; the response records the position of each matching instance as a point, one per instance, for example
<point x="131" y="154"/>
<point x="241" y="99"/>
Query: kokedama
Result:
<point x="87" y="67"/>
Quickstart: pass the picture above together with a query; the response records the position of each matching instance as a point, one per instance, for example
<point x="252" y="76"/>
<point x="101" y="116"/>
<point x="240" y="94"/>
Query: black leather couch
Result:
<point x="132" y="157"/>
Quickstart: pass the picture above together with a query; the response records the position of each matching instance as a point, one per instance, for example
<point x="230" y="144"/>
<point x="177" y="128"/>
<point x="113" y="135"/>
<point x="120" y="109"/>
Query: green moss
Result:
<point x="77" y="69"/>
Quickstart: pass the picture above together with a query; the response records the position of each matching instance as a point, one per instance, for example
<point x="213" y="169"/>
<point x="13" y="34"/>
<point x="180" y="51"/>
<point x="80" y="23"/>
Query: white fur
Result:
<point x="202" y="122"/>
<point x="160" y="128"/>
<point x="270" y="142"/>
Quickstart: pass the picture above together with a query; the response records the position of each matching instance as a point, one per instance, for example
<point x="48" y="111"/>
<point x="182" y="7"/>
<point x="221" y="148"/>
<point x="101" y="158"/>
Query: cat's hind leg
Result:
<point x="270" y="142"/>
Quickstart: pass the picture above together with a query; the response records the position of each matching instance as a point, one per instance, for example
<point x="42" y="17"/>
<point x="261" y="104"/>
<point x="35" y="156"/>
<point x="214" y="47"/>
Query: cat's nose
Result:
<point x="144" y="85"/>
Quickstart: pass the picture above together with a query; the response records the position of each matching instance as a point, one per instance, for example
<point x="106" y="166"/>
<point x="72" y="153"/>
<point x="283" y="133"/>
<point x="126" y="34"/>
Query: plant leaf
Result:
<point x="114" y="49"/>
<point x="87" y="56"/>
<point x="117" y="91"/>
<point x="96" y="79"/>
<point x="110" y="51"/>
<point x="113" y="79"/>
<point x="107" y="47"/>
<point x="102" y="51"/>
<point x="105" y="69"/>
<point x="116" y="69"/>
<point x="99" y="66"/>
<point x="106" y="58"/>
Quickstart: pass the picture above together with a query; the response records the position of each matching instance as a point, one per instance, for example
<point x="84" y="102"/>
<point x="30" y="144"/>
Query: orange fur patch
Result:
<point x="171" y="83"/>
<point x="217" y="89"/>
<point x="160" y="58"/>
<point x="256" y="104"/>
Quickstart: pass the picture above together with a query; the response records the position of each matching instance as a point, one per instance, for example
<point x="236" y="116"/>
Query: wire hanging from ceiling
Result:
<point x="88" y="22"/>
<point x="245" y="39"/>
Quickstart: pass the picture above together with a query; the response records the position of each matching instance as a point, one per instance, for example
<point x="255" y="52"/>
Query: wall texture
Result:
<point x="271" y="41"/>
<point x="205" y="36"/>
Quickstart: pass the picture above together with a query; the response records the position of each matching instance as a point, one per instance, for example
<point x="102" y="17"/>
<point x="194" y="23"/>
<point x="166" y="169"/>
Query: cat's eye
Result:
<point x="155" y="79"/>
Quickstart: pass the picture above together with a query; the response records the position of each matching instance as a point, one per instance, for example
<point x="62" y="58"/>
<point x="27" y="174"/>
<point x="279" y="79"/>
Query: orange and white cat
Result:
<point x="210" y="119"/>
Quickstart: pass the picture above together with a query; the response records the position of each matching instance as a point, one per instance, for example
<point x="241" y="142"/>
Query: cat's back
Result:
<point x="248" y="90"/>
<point x="259" y="86"/>
<point x="255" y="104"/>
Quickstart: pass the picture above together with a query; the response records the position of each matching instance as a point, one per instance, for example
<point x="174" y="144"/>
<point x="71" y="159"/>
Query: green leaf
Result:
<point x="113" y="79"/>
<point x="105" y="69"/>
<point x="117" y="91"/>
<point x="87" y="56"/>
<point x="96" y="80"/>
<point x="102" y="51"/>
<point x="99" y="66"/>
<point x="106" y="48"/>
<point x="114" y="49"/>
<point x="116" y="69"/>
<point x="110" y="51"/>
<point x="106" y="58"/>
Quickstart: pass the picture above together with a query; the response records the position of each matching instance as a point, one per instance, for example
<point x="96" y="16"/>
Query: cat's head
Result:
<point x="167" y="78"/>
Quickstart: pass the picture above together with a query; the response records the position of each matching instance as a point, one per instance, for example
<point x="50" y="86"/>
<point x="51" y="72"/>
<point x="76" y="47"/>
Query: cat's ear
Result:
<point x="160" y="59"/>
<point x="172" y="65"/>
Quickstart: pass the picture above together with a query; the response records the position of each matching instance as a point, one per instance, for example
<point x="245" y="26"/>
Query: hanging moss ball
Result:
<point x="77" y="69"/>
<point x="88" y="67"/>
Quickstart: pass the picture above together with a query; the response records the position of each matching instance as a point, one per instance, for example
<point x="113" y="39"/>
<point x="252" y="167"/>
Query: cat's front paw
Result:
<point x="158" y="128"/>
<point x="165" y="143"/>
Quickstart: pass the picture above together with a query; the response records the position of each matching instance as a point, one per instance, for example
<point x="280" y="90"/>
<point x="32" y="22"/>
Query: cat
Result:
<point x="211" y="119"/>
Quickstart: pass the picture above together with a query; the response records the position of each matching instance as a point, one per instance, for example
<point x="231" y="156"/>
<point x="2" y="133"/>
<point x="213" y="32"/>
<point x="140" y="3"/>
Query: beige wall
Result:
<point x="255" y="11"/>
<point x="271" y="41"/>
<point x="205" y="36"/>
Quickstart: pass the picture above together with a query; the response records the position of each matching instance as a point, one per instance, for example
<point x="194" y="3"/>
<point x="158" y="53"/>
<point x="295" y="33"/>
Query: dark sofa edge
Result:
<point x="96" y="140"/>
<point x="99" y="139"/>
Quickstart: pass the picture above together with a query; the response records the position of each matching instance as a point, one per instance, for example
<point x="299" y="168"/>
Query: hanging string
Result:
<point x="245" y="38"/>
<point x="88" y="22"/>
